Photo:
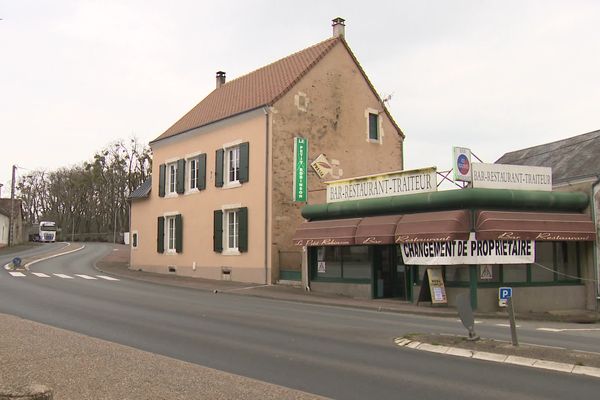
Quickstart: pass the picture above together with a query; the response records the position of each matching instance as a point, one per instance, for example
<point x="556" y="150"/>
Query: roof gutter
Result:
<point x="159" y="139"/>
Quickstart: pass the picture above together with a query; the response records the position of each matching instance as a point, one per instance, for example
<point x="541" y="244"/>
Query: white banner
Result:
<point x="469" y="252"/>
<point x="517" y="177"/>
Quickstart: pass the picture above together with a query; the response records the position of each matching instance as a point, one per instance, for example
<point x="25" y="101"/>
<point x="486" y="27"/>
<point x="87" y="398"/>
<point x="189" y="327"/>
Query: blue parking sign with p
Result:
<point x="504" y="293"/>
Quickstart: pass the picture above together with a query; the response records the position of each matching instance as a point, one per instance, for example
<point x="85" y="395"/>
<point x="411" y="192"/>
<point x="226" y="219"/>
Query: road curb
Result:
<point x="500" y="358"/>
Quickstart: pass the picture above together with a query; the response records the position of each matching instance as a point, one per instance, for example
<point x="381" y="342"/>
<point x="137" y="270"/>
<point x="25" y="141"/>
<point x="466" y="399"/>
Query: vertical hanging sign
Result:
<point x="300" y="165"/>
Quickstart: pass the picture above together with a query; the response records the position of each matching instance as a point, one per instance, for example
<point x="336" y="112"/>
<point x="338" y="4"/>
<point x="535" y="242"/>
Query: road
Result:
<point x="330" y="351"/>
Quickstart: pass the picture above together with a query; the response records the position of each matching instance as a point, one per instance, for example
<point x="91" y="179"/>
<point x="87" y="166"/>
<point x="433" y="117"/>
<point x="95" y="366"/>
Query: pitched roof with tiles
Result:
<point x="5" y="207"/>
<point x="570" y="159"/>
<point x="142" y="191"/>
<point x="262" y="87"/>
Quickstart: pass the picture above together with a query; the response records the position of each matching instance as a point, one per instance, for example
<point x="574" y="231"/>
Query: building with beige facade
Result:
<point x="220" y="202"/>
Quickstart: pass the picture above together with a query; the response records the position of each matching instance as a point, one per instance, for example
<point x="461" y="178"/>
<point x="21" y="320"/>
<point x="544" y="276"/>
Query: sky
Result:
<point x="493" y="76"/>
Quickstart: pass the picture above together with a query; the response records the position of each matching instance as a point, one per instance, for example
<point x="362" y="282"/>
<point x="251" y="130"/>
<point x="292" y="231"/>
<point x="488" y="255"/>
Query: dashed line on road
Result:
<point x="108" y="278"/>
<point x="16" y="274"/>
<point x="41" y="275"/>
<point x="85" y="276"/>
<point x="567" y="329"/>
<point x="63" y="276"/>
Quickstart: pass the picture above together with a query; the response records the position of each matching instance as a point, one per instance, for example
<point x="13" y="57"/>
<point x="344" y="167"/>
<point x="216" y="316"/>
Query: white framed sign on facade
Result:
<point x="461" y="163"/>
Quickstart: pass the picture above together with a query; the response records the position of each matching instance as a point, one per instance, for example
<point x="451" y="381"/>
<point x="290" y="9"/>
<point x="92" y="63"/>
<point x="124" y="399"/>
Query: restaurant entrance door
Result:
<point x="390" y="275"/>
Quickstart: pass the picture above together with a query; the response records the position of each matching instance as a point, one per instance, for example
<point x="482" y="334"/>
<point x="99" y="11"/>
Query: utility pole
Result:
<point x="11" y="223"/>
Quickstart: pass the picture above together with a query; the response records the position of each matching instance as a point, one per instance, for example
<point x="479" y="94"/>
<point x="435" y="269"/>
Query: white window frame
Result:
<point x="171" y="179"/>
<point x="227" y="183"/>
<point x="192" y="174"/>
<point x="232" y="166"/>
<point x="380" y="135"/>
<point x="170" y="238"/>
<point x="231" y="209"/>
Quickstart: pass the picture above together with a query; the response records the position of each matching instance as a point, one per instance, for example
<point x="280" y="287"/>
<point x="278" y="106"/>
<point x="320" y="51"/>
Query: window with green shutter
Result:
<point x="202" y="172"/>
<point x="244" y="174"/>
<point x="160" y="236"/>
<point x="162" y="170"/>
<point x="178" y="233"/>
<point x="373" y="126"/>
<point x="219" y="167"/>
<point x="218" y="231"/>
<point x="180" y="176"/>
<point x="243" y="229"/>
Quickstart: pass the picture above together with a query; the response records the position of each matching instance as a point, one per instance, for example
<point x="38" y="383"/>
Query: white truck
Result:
<point x="45" y="233"/>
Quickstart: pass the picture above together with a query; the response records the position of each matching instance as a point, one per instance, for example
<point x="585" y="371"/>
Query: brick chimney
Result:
<point x="220" y="79"/>
<point x="339" y="27"/>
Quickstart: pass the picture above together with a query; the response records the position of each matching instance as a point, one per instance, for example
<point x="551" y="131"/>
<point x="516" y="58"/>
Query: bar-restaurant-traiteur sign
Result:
<point x="396" y="183"/>
<point x="516" y="177"/>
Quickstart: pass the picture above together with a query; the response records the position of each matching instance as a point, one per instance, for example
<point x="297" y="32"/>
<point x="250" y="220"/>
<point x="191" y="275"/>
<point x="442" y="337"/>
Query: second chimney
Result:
<point x="220" y="79"/>
<point x="339" y="27"/>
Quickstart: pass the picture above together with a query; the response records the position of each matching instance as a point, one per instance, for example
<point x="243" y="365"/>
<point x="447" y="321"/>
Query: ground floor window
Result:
<point x="555" y="263"/>
<point x="341" y="262"/>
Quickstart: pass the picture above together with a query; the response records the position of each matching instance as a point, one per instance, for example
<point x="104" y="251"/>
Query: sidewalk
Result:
<point x="116" y="264"/>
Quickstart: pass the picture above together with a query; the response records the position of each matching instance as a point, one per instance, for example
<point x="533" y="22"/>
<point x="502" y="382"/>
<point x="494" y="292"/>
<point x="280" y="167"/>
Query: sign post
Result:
<point x="504" y="293"/>
<point x="300" y="172"/>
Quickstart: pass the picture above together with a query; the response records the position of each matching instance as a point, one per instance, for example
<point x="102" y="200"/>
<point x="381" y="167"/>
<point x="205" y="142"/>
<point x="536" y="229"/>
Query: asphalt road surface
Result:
<point x="330" y="351"/>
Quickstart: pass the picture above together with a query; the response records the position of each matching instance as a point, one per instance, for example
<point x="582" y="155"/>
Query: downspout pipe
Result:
<point x="267" y="192"/>
<point x="594" y="218"/>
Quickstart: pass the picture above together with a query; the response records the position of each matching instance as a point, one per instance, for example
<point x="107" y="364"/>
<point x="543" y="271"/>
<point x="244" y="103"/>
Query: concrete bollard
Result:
<point x="25" y="392"/>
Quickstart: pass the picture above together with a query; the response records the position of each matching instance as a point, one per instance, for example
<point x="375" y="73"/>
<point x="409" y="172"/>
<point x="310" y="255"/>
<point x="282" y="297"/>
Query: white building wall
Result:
<point x="4" y="224"/>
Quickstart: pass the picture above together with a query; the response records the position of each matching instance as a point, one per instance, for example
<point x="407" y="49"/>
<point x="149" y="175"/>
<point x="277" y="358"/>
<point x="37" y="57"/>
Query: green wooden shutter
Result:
<point x="178" y="233"/>
<point x="160" y="237"/>
<point x="219" y="167"/>
<point x="162" y="171"/>
<point x="244" y="161"/>
<point x="201" y="177"/>
<point x="218" y="231"/>
<point x="243" y="229"/>
<point x="180" y="187"/>
<point x="373" y="126"/>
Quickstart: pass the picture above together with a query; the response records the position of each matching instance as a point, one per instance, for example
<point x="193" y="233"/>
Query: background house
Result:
<point x="5" y="209"/>
<point x="220" y="204"/>
<point x="575" y="167"/>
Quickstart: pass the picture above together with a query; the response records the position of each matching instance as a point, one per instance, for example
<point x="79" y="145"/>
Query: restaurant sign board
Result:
<point x="423" y="180"/>
<point x="516" y="177"/>
<point x="469" y="252"/>
<point x="461" y="159"/>
<point x="300" y="169"/>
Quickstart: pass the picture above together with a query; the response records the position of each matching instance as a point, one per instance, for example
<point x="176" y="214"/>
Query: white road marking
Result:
<point x="507" y="325"/>
<point x="85" y="276"/>
<point x="458" y="319"/>
<point x="567" y="329"/>
<point x="53" y="256"/>
<point x="41" y="274"/>
<point x="63" y="276"/>
<point x="108" y="278"/>
<point x="16" y="273"/>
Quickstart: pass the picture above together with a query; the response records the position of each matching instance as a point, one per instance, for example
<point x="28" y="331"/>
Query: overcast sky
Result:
<point x="494" y="76"/>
